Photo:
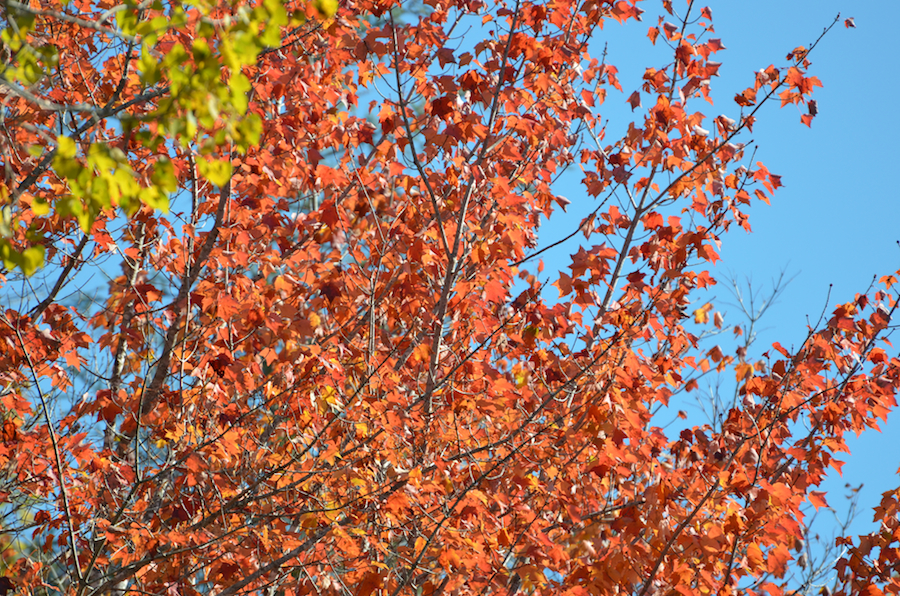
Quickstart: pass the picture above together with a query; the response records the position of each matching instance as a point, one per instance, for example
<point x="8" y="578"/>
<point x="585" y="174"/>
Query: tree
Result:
<point x="275" y="320"/>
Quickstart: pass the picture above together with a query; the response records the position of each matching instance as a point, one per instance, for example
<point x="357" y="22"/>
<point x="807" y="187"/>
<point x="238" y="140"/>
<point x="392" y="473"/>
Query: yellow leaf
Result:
<point x="65" y="148"/>
<point x="701" y="315"/>
<point x="326" y="7"/>
<point x="40" y="207"/>
<point x="420" y="544"/>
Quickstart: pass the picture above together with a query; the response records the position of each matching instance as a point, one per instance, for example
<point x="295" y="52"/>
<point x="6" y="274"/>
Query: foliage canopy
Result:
<point x="274" y="319"/>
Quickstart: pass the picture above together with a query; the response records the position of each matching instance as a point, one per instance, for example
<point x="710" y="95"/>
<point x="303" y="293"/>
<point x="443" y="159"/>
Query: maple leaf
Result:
<point x="494" y="292"/>
<point x="634" y="100"/>
<point x="817" y="498"/>
<point x="701" y="315"/>
<point x="746" y="98"/>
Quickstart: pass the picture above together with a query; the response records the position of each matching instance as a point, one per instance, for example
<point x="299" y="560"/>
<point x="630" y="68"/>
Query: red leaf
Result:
<point x="226" y="307"/>
<point x="494" y="292"/>
<point x="634" y="100"/>
<point x="671" y="31"/>
<point x="369" y="583"/>
<point x="6" y="585"/>
<point x="396" y="168"/>
<point x="817" y="498"/>
<point x="747" y="98"/>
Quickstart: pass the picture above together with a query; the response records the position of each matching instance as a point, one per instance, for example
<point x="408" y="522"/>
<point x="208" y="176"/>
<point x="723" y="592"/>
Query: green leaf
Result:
<point x="205" y="29"/>
<point x="273" y="15"/>
<point x="32" y="259"/>
<point x="129" y="205"/>
<point x="6" y="225"/>
<point x="127" y="20"/>
<point x="148" y="66"/>
<point x="101" y="158"/>
<point x="246" y="47"/>
<point x="126" y="183"/>
<point x="176" y="57"/>
<point x="150" y="30"/>
<point x="239" y="85"/>
<point x="248" y="132"/>
<point x="190" y="124"/>
<point x="164" y="176"/>
<point x="200" y="50"/>
<point x="226" y="48"/>
<point x="216" y="171"/>
<point x="11" y="40"/>
<point x="65" y="148"/>
<point x="327" y="8"/>
<point x="29" y="261"/>
<point x="155" y="198"/>
<point x="7" y="254"/>
<point x="271" y="37"/>
<point x="74" y="207"/>
<point x="102" y="193"/>
<point x="49" y="54"/>
<point x="277" y="14"/>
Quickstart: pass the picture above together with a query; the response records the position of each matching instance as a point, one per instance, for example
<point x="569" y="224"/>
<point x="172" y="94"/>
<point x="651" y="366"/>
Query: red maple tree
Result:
<point x="275" y="320"/>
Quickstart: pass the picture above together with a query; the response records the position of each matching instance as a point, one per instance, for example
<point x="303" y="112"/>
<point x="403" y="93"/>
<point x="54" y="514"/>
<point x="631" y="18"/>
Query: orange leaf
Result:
<point x="817" y="498"/>
<point x="754" y="556"/>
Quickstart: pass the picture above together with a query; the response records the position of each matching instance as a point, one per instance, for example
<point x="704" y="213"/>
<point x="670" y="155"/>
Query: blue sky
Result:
<point x="837" y="220"/>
